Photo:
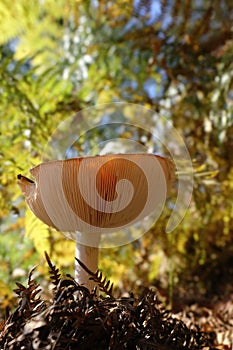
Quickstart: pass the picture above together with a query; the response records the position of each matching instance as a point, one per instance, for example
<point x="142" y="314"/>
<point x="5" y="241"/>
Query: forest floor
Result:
<point x="76" y="318"/>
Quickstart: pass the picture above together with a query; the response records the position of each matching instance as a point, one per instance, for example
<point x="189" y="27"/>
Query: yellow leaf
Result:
<point x="60" y="249"/>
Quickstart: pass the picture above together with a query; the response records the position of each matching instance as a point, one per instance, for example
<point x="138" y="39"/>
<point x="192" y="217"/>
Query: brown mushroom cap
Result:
<point x="98" y="193"/>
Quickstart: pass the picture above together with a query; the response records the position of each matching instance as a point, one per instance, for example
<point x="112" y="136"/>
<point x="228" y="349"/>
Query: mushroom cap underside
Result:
<point x="98" y="193"/>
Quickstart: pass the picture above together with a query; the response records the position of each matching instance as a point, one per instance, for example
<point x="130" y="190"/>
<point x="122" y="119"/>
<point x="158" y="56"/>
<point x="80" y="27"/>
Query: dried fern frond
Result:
<point x="104" y="285"/>
<point x="55" y="276"/>
<point x="29" y="298"/>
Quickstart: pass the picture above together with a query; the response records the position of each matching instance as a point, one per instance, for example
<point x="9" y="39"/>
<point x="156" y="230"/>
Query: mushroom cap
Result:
<point x="98" y="193"/>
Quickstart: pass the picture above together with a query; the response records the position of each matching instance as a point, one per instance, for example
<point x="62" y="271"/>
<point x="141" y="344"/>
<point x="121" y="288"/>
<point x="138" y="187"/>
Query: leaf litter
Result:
<point x="80" y="319"/>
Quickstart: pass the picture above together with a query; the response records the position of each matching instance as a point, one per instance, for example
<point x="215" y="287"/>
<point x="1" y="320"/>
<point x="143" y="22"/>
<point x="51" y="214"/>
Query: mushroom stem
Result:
<point x="88" y="256"/>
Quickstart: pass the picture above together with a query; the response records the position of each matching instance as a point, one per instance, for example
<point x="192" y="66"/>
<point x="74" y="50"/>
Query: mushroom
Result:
<point x="92" y="195"/>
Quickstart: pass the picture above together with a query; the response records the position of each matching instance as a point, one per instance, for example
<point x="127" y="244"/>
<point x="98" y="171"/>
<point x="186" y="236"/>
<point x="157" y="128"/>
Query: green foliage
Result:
<point x="57" y="57"/>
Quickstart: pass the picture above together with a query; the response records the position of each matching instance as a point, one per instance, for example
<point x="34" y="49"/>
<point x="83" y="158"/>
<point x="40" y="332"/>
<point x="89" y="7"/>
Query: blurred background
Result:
<point x="175" y="57"/>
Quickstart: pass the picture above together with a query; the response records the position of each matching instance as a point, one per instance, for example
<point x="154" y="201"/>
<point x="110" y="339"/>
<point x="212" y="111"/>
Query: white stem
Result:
<point x="89" y="256"/>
